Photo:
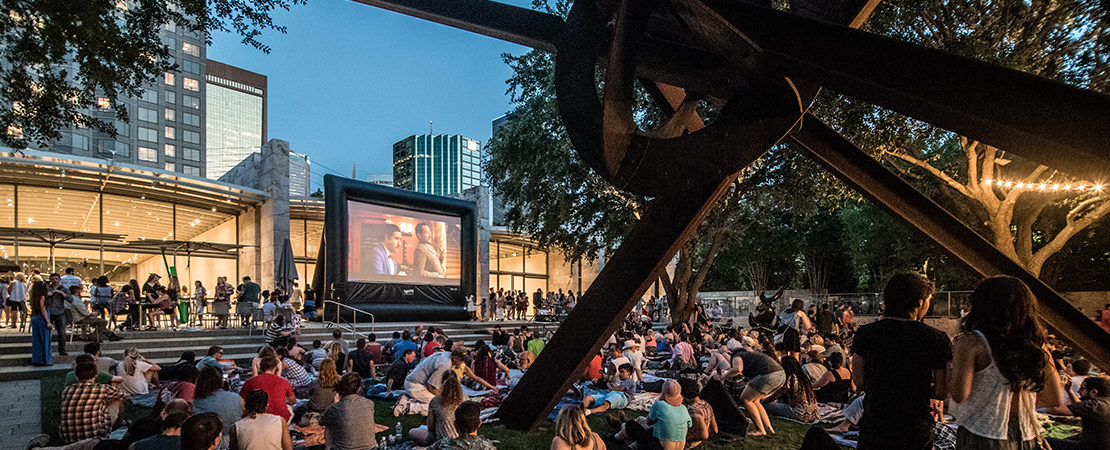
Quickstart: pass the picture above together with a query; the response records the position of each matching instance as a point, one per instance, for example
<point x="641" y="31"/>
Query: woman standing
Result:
<point x="426" y="258"/>
<point x="200" y="300"/>
<point x="1000" y="371"/>
<point x="41" y="354"/>
<point x="17" y="301"/>
<point x="441" y="412"/>
<point x="795" y="321"/>
<point x="572" y="432"/>
<point x="223" y="295"/>
<point x="102" y="295"/>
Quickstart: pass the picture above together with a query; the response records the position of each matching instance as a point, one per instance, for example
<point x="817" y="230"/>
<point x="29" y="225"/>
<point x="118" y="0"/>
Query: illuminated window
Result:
<point x="15" y="132"/>
<point x="170" y="132"/>
<point x="190" y="49"/>
<point x="169" y="78"/>
<point x="191" y="84"/>
<point x="148" y="154"/>
<point x="170" y="167"/>
<point x="103" y="103"/>
<point x="170" y="113"/>
<point x="170" y="150"/>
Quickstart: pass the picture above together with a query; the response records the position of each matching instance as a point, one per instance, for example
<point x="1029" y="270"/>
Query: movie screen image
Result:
<point x="392" y="245"/>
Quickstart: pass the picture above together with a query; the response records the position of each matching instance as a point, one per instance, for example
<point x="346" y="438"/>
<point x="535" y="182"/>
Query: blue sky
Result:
<point x="348" y="80"/>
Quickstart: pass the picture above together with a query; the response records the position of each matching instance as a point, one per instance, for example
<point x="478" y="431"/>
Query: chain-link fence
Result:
<point x="741" y="303"/>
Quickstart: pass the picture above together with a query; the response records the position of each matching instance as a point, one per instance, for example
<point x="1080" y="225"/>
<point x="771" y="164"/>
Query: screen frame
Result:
<point x="338" y="191"/>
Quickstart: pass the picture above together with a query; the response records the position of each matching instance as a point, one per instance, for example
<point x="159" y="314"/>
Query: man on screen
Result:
<point x="384" y="264"/>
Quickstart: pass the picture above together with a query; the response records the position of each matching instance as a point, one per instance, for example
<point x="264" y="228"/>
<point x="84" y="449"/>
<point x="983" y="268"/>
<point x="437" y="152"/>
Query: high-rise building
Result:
<point x="380" y="178"/>
<point x="437" y="164"/>
<point x="300" y="174"/>
<point x="236" y="116"/>
<point x="166" y="130"/>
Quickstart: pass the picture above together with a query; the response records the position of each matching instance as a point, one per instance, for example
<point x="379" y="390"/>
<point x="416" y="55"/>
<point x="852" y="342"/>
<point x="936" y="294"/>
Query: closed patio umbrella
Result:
<point x="286" y="269"/>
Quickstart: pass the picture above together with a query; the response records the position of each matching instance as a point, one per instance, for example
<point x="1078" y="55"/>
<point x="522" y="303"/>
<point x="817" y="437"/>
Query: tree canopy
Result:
<point x="57" y="57"/>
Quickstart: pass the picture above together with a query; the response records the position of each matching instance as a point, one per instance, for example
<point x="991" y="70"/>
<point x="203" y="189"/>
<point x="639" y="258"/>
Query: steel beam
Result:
<point x="898" y="197"/>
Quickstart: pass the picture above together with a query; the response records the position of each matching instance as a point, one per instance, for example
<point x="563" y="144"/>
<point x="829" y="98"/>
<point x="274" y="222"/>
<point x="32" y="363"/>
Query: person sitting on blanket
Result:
<point x="1092" y="405"/>
<point x="618" y="397"/>
<point x="441" y="412"/>
<point x="666" y="425"/>
<point x="796" y="399"/>
<point x="467" y="420"/>
<point x="422" y="384"/>
<point x="616" y="359"/>
<point x="944" y="437"/>
<point x="701" y="414"/>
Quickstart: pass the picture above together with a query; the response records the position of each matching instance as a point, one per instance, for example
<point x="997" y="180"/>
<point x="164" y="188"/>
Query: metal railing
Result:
<point x="944" y="304"/>
<point x="353" y="324"/>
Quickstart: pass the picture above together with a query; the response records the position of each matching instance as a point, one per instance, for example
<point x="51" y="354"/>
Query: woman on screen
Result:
<point x="425" y="258"/>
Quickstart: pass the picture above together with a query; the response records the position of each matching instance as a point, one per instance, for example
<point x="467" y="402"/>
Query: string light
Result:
<point x="1044" y="186"/>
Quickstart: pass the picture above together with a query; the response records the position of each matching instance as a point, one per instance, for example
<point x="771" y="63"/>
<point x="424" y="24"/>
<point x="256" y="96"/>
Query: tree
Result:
<point x="59" y="57"/>
<point x="1010" y="201"/>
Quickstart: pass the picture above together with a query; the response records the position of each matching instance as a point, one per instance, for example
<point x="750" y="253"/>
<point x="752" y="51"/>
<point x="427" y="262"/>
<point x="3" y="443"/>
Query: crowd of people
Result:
<point x="895" y="380"/>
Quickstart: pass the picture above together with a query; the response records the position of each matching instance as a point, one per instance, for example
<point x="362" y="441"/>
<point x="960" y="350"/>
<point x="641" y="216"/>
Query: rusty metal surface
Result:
<point x="898" y="197"/>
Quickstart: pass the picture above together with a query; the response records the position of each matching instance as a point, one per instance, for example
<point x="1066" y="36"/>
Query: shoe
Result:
<point x="114" y="337"/>
<point x="402" y="407"/>
<point x="38" y="441"/>
<point x="63" y="354"/>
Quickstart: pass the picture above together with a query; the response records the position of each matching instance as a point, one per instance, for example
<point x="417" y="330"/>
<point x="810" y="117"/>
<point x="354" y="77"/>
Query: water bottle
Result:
<point x="381" y="445"/>
<point x="398" y="431"/>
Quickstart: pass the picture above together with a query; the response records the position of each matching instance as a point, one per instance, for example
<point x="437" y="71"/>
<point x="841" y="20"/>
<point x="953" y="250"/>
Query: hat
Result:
<point x="733" y="345"/>
<point x="671" y="393"/>
<point x="630" y="343"/>
<point x="155" y="275"/>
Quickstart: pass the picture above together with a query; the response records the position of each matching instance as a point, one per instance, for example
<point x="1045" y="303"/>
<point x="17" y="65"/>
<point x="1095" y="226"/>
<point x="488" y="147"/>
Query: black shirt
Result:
<point x="397" y="372"/>
<point x="500" y="338"/>
<point x="361" y="361"/>
<point x="1096" y="422"/>
<point x="899" y="359"/>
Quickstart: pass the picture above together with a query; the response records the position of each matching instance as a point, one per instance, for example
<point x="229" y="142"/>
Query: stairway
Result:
<point x="240" y="345"/>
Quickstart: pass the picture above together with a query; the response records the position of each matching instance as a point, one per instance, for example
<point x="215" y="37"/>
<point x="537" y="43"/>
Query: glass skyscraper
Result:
<point x="437" y="164"/>
<point x="236" y="121"/>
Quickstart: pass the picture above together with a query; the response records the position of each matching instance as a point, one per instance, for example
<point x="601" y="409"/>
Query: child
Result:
<point x="618" y="397"/>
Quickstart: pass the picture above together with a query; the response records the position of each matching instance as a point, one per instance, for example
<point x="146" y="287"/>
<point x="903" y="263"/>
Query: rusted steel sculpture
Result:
<point x="766" y="67"/>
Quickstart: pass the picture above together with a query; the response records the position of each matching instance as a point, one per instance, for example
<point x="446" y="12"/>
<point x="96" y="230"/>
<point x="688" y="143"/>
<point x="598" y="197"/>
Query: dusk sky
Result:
<point x="348" y="80"/>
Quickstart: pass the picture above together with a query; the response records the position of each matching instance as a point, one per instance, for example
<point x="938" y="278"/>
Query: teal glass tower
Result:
<point x="437" y="164"/>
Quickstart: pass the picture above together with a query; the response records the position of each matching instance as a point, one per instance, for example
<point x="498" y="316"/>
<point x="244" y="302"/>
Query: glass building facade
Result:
<point x="236" y="117"/>
<point x="437" y="164"/>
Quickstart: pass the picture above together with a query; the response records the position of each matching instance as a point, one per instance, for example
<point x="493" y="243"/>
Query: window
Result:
<point x="122" y="149"/>
<point x="148" y="134"/>
<point x="171" y="42"/>
<point x="170" y="114"/>
<point x="170" y="150"/>
<point x="192" y="119"/>
<point x="170" y="132"/>
<point x="122" y="129"/>
<point x="191" y="66"/>
<point x="170" y="166"/>
<point x="191" y="84"/>
<point x="169" y="78"/>
<point x="191" y="137"/>
<point x="148" y="154"/>
<point x="195" y="171"/>
<point x="190" y="101"/>
<point x="171" y="27"/>
<point x="149" y="96"/>
<point x="192" y="154"/>
<point x="81" y="142"/>
<point x="103" y="103"/>
<point x="190" y="49"/>
<point x="148" y="115"/>
<point x="170" y="97"/>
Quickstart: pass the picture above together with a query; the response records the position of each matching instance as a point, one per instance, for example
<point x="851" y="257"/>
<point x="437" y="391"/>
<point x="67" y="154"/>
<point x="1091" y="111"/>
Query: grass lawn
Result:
<point x="789" y="435"/>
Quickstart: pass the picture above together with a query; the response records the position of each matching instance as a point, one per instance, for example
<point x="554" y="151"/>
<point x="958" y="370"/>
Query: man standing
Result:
<point x="384" y="264"/>
<point x="247" y="298"/>
<point x="900" y="363"/>
<point x="826" y="322"/>
<point x="84" y="406"/>
<point x="71" y="280"/>
<point x="1093" y="406"/>
<point x="56" y="297"/>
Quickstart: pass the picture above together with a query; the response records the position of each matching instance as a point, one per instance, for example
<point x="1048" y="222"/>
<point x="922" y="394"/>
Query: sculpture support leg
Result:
<point x="898" y="197"/>
<point x="652" y="243"/>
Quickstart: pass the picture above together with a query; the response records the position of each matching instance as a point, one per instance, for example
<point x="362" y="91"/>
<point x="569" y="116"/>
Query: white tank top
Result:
<point x="263" y="432"/>
<point x="986" y="412"/>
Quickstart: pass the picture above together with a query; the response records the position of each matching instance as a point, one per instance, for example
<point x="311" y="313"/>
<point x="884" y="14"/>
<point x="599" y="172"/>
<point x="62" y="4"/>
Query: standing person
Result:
<point x="259" y="429"/>
<point x="17" y="301"/>
<point x="7" y="310"/>
<point x="248" y="298"/>
<point x="200" y="300"/>
<point x="40" y="327"/>
<point x="222" y="295"/>
<point x="101" y="298"/>
<point x="795" y="321"/>
<point x="572" y="432"/>
<point x="56" y="296"/>
<point x="765" y="376"/>
<point x="500" y="303"/>
<point x="826" y="321"/>
<point x="70" y="280"/>
<point x="349" y="423"/>
<point x="1000" y="370"/>
<point x="900" y="363"/>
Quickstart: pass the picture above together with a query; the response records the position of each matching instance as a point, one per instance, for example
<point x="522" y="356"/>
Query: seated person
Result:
<point x="668" y="421"/>
<point x="618" y="397"/>
<point x="165" y="306"/>
<point x="170" y="437"/>
<point x="212" y="359"/>
<point x="572" y="432"/>
<point x="101" y="377"/>
<point x="201" y="431"/>
<point x="277" y="329"/>
<point x="82" y="316"/>
<point x="815" y="368"/>
<point x="467" y="421"/>
<point x="834" y="385"/>
<point x="395" y="375"/>
<point x="1092" y="405"/>
<point x="441" y="412"/>
<point x="701" y="414"/>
